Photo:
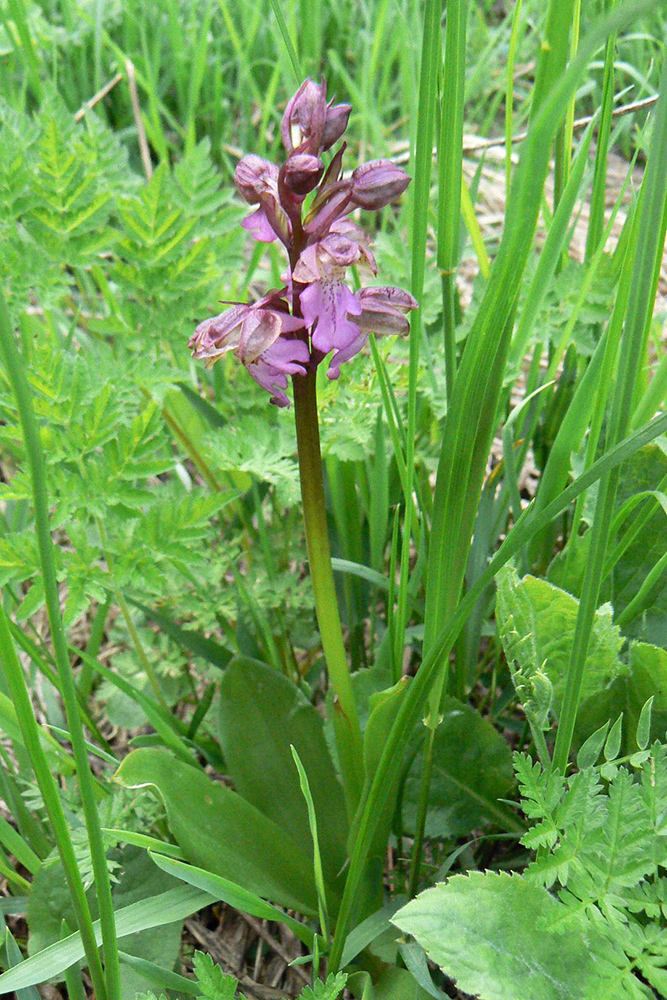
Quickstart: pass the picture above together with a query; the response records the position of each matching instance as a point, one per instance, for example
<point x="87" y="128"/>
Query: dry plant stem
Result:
<point x="478" y="145"/>
<point x="96" y="98"/>
<point x="139" y="122"/>
<point x="349" y="740"/>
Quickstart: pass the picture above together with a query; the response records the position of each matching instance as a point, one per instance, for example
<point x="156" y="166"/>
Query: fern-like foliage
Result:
<point x="601" y="838"/>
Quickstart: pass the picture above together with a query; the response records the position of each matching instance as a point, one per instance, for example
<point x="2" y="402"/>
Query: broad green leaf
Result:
<point x="472" y="770"/>
<point x="152" y="912"/>
<point x="222" y="833"/>
<point x="536" y="623"/>
<point x="636" y="551"/>
<point x="261" y="714"/>
<point x="502" y="937"/>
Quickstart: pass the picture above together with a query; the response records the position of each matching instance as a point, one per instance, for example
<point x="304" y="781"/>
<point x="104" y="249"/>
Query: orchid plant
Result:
<point x="289" y="331"/>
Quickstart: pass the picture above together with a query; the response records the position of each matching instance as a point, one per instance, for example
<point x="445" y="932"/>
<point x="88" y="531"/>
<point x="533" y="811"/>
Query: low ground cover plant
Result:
<point x="387" y="675"/>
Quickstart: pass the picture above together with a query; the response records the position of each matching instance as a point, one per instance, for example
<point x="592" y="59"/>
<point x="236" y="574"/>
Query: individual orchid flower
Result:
<point x="257" y="182"/>
<point x="339" y="319"/>
<point x="307" y="205"/>
<point x="256" y="334"/>
<point x="310" y="124"/>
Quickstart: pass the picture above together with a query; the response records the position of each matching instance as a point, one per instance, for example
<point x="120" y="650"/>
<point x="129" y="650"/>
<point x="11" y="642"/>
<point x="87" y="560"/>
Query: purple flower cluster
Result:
<point x="291" y="329"/>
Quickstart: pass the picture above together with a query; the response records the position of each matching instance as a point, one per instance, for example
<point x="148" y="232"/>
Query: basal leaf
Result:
<point x="261" y="714"/>
<point x="646" y="678"/>
<point x="220" y="831"/>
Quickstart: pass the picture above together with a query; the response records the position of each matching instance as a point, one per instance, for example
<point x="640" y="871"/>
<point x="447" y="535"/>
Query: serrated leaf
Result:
<point x="536" y="623"/>
<point x="328" y="990"/>
<point x="211" y="980"/>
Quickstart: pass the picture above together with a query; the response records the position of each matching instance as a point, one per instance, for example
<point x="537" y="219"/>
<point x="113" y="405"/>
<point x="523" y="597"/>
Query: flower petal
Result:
<point x="348" y="352"/>
<point x="288" y="356"/>
<point x="219" y="334"/>
<point x="325" y="305"/>
<point x="305" y="115"/>
<point x="337" y="116"/>
<point x="383" y="310"/>
<point x="254" y="176"/>
<point x="396" y="297"/>
<point x="260" y="329"/>
<point x="378" y="183"/>
<point x="273" y="381"/>
<point x="259" y="226"/>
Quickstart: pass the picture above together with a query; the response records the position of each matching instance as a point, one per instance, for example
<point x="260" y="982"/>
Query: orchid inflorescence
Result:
<point x="291" y="329"/>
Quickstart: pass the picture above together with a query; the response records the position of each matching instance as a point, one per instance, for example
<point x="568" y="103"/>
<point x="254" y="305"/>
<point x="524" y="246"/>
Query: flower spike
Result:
<point x="292" y="329"/>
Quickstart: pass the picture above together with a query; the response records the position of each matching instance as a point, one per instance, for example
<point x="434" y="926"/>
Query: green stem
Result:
<point x="47" y="786"/>
<point x="346" y="718"/>
<point x="509" y="95"/>
<point x="422" y="810"/>
<point x="637" y="317"/>
<point x="19" y="383"/>
<point x="596" y="219"/>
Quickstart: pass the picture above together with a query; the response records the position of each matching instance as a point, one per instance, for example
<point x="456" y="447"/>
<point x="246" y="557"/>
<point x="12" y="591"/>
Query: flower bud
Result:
<point x="383" y="310"/>
<point x="253" y="176"/>
<point x="304" y="118"/>
<point x="302" y="172"/>
<point x="377" y="183"/>
<point x="335" y="123"/>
